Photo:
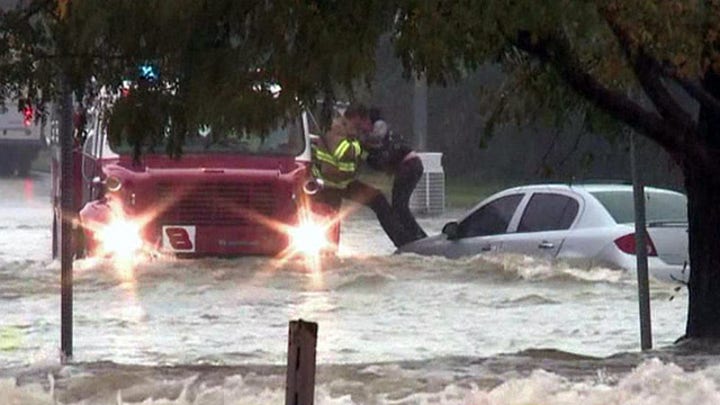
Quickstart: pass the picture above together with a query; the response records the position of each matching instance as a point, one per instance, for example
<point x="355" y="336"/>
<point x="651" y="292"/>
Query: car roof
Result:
<point x="588" y="187"/>
<point x="598" y="213"/>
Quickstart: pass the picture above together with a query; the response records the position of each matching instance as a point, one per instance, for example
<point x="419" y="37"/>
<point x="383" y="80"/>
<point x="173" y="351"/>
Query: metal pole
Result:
<point x="641" y="250"/>
<point x="300" y="378"/>
<point x="420" y="112"/>
<point x="66" y="216"/>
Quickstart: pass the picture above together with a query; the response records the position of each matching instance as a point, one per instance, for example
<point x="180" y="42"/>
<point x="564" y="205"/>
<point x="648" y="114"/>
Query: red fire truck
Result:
<point x="238" y="194"/>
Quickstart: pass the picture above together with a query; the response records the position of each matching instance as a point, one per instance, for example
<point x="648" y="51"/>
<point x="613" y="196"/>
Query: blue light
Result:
<point x="148" y="72"/>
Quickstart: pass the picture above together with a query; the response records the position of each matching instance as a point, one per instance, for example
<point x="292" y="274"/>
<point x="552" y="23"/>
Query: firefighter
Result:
<point x="336" y="158"/>
<point x="386" y="152"/>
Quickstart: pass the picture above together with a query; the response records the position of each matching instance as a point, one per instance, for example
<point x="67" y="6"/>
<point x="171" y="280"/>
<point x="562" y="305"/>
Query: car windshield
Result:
<point x="659" y="206"/>
<point x="287" y="139"/>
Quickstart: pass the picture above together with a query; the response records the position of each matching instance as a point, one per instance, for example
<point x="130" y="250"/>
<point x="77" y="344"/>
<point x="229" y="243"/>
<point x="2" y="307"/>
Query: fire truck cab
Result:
<point x="238" y="194"/>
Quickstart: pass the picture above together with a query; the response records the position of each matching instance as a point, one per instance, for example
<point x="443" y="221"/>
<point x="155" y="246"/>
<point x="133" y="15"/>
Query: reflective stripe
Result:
<point x="346" y="144"/>
<point x="323" y="156"/>
<point x="346" y="166"/>
<point x="341" y="148"/>
<point x="338" y="160"/>
<point x="335" y="184"/>
<point x="358" y="149"/>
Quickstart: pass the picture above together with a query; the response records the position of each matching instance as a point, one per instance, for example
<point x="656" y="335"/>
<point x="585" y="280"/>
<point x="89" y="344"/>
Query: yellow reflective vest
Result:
<point x="337" y="168"/>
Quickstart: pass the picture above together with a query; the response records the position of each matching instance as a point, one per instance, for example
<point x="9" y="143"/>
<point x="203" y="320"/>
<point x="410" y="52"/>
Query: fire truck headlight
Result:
<point x="313" y="186"/>
<point x="121" y="238"/>
<point x="308" y="238"/>
<point x="113" y="184"/>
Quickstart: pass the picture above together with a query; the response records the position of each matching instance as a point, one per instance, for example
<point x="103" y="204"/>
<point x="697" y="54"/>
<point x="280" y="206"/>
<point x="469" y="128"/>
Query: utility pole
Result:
<point x="66" y="221"/>
<point x="67" y="211"/>
<point x="420" y="112"/>
<point x="641" y="249"/>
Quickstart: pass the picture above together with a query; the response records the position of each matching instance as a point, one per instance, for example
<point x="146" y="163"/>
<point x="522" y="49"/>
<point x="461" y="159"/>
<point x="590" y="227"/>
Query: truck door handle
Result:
<point x="546" y="245"/>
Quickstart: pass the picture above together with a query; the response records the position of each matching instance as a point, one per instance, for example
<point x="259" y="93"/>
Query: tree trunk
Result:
<point x="703" y="191"/>
<point x="703" y="319"/>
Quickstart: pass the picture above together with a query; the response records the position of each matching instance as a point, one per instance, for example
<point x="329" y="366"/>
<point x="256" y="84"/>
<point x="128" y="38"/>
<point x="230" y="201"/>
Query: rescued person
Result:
<point x="386" y="152"/>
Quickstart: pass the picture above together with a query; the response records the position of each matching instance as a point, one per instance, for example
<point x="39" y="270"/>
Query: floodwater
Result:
<point x="393" y="329"/>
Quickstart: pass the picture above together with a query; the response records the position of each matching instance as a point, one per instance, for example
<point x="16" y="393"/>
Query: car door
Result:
<point x="544" y="224"/>
<point x="482" y="231"/>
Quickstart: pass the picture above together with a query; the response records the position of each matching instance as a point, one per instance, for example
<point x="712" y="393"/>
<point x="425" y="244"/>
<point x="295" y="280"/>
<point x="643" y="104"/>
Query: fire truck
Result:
<point x="238" y="194"/>
<point x="21" y="136"/>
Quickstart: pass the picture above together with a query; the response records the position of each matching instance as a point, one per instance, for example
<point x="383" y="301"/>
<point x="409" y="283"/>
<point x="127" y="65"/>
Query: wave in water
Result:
<point x="341" y="273"/>
<point x="652" y="382"/>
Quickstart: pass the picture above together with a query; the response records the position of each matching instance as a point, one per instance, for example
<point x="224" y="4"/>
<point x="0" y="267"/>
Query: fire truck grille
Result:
<point x="215" y="203"/>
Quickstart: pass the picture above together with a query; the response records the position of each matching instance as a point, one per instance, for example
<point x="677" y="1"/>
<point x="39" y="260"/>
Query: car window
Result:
<point x="490" y="219"/>
<point x="659" y="206"/>
<point x="548" y="212"/>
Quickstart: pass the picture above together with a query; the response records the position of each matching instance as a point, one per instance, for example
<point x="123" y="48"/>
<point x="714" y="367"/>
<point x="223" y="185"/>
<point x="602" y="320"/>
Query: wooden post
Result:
<point x="641" y="250"/>
<point x="300" y="383"/>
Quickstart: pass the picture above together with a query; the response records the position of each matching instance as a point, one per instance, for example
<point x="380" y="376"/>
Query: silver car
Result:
<point x="586" y="225"/>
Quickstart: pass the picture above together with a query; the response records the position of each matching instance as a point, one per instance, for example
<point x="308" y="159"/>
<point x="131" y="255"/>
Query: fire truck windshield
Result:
<point x="286" y="139"/>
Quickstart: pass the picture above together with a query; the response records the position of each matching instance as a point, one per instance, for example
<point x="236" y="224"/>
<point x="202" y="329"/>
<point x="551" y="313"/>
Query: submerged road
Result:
<point x="405" y="317"/>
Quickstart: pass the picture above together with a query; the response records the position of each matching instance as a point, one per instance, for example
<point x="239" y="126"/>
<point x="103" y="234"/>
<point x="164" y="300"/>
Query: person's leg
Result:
<point x="405" y="181"/>
<point x="327" y="203"/>
<point x="369" y="196"/>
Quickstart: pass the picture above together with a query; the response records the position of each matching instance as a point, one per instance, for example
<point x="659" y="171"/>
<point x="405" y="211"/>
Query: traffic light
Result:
<point x="28" y="115"/>
<point x="26" y="108"/>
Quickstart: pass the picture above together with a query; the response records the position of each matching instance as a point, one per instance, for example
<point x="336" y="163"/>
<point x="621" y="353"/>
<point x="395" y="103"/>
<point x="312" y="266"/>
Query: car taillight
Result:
<point x="627" y="245"/>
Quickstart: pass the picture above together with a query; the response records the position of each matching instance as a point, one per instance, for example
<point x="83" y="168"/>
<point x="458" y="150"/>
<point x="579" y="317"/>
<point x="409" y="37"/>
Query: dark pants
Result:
<point x="407" y="176"/>
<point x="373" y="198"/>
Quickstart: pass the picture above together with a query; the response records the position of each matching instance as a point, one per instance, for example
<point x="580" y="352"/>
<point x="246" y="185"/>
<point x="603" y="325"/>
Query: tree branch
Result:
<point x="555" y="50"/>
<point x="695" y="89"/>
<point x="40" y="55"/>
<point x="648" y="72"/>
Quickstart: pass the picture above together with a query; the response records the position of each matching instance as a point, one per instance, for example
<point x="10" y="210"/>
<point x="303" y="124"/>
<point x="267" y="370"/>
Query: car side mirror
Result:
<point x="451" y="230"/>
